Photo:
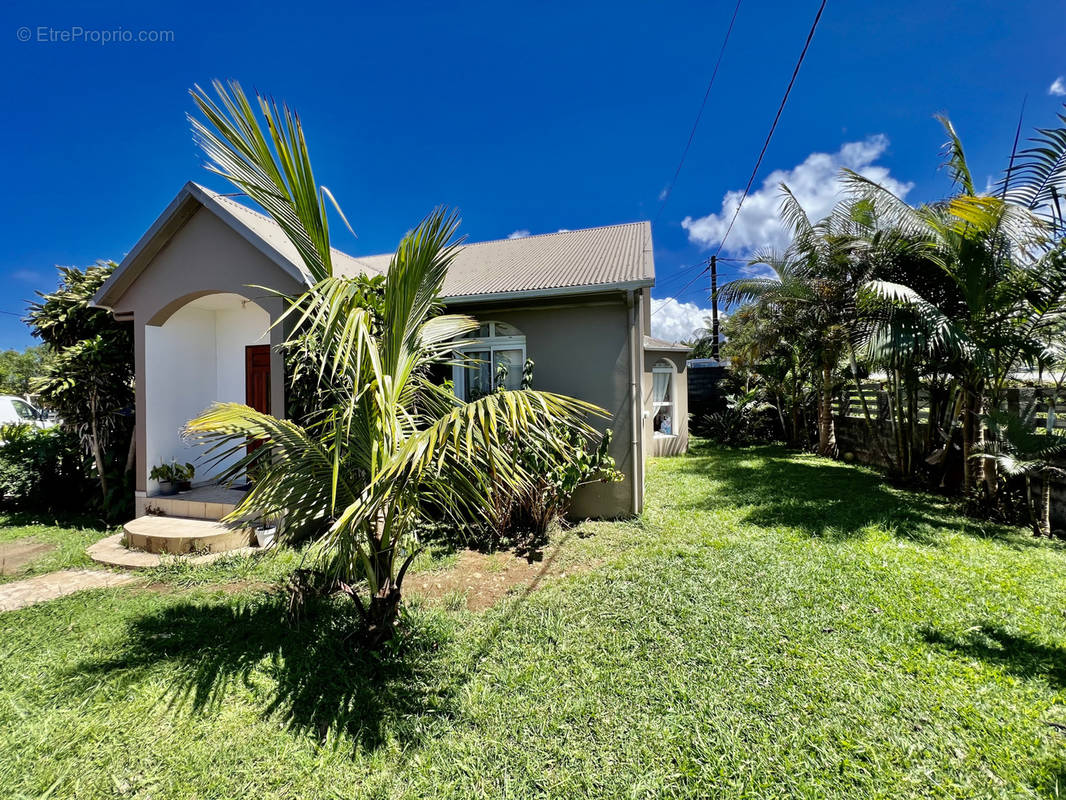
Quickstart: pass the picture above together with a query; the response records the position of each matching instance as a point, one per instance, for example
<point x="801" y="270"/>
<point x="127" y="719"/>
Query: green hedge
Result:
<point x="42" y="470"/>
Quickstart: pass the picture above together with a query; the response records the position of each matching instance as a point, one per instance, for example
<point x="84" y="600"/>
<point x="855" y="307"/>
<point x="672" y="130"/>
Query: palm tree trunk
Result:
<point x="1045" y="503"/>
<point x="1033" y="521"/>
<point x="875" y="434"/>
<point x="967" y="439"/>
<point x="827" y="440"/>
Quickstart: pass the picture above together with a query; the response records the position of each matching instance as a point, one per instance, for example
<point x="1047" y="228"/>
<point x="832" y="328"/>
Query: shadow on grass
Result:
<point x="823" y="498"/>
<point x="312" y="677"/>
<point x="1018" y="655"/>
<point x="22" y="519"/>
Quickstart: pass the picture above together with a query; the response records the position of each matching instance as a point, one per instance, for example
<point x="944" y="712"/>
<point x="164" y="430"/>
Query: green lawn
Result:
<point x="776" y="625"/>
<point x="66" y="540"/>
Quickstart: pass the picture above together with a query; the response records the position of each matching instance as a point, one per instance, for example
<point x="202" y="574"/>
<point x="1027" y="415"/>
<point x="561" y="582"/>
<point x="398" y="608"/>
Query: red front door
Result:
<point x="257" y="377"/>
<point x="257" y="381"/>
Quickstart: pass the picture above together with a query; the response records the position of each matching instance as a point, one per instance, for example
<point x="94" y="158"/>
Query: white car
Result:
<point x="15" y="410"/>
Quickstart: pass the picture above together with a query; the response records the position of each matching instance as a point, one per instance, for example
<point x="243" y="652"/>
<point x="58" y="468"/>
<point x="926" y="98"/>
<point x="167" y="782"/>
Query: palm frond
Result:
<point x="955" y="157"/>
<point x="273" y="168"/>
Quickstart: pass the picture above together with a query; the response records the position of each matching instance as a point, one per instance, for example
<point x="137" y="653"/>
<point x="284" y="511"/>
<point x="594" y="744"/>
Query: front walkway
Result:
<point x="19" y="594"/>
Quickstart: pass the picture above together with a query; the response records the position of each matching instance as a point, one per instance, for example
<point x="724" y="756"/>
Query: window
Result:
<point x="662" y="396"/>
<point x="24" y="410"/>
<point x="497" y="353"/>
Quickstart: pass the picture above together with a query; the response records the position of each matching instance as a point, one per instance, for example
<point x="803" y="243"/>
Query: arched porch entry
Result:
<point x="214" y="347"/>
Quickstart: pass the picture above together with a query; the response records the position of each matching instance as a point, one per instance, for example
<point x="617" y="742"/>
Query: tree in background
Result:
<point x="89" y="379"/>
<point x="19" y="369"/>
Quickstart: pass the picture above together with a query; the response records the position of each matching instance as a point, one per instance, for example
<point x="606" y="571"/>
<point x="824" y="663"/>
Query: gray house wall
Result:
<point x="581" y="348"/>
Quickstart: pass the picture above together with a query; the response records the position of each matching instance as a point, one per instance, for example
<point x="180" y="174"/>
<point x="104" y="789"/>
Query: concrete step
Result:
<point x="181" y="535"/>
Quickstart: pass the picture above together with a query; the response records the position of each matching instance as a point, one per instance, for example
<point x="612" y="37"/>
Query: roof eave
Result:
<point x="557" y="291"/>
<point x="180" y="210"/>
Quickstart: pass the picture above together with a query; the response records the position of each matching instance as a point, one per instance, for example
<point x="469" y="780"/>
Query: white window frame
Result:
<point x="665" y="367"/>
<point x="490" y="344"/>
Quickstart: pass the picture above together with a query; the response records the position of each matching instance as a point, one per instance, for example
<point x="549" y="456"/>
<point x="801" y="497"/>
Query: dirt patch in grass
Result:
<point x="17" y="554"/>
<point x="484" y="579"/>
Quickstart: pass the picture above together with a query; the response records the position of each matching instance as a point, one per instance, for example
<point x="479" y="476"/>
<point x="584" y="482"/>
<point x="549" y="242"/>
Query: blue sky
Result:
<point x="526" y="117"/>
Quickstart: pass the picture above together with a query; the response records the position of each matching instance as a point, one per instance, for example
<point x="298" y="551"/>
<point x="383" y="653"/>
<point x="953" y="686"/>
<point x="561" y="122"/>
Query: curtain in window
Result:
<point x="660" y="386"/>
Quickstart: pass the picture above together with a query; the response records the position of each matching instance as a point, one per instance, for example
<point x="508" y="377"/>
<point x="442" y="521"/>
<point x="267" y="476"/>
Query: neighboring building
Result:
<point x="577" y="303"/>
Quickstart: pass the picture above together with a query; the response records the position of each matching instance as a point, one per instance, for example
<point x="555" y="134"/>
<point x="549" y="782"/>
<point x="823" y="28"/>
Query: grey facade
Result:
<point x="585" y="319"/>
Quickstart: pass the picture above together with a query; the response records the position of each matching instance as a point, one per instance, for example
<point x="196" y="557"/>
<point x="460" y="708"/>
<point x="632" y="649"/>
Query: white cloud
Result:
<point x="521" y="233"/>
<point x="1058" y="87"/>
<point x="816" y="184"/>
<point x="29" y="276"/>
<point x="674" y="321"/>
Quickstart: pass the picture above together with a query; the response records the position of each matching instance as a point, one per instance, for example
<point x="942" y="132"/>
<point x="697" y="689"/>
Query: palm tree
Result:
<point x="1019" y="450"/>
<point x="818" y="278"/>
<point x="1006" y="276"/>
<point x="389" y="450"/>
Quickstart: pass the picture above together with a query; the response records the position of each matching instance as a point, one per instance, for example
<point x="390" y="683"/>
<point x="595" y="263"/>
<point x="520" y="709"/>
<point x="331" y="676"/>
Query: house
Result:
<point x="576" y="302"/>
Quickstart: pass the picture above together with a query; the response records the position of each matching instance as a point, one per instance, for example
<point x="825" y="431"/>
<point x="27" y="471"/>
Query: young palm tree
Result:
<point x="1017" y="448"/>
<point x="390" y="449"/>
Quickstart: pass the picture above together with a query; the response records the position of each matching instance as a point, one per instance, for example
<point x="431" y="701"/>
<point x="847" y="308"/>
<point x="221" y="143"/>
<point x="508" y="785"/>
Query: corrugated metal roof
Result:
<point x="269" y="231"/>
<point x="609" y="255"/>
<point x="651" y="343"/>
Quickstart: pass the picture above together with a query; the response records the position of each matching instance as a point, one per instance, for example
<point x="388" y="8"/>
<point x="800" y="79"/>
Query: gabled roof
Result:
<point x="570" y="262"/>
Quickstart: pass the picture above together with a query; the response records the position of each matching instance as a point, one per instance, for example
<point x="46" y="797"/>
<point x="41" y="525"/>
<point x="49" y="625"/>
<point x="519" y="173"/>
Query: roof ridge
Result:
<point x="562" y="233"/>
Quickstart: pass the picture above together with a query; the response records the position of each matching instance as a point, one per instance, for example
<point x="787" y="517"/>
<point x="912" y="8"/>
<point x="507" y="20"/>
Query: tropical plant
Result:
<point x="816" y="282"/>
<point x="526" y="513"/>
<point x="390" y="450"/>
<point x="1007" y="279"/>
<point x="1018" y="449"/>
<point x="173" y="472"/>
<point x="88" y="380"/>
<point x="740" y="423"/>
<point x="43" y="470"/>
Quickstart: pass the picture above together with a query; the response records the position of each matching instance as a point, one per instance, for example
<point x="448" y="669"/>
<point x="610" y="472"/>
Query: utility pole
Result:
<point x="714" y="308"/>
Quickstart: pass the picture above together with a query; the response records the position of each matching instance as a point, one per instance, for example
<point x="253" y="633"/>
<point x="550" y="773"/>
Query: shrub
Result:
<point x="745" y="420"/>
<point x="556" y="472"/>
<point x="42" y="470"/>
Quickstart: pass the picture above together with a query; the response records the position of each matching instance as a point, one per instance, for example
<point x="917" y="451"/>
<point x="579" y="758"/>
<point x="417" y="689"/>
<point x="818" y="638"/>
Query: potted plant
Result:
<point x="266" y="532"/>
<point x="172" y="477"/>
<point x="183" y="474"/>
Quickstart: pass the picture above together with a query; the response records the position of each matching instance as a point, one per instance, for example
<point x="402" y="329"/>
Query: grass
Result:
<point x="775" y="625"/>
<point x="68" y="536"/>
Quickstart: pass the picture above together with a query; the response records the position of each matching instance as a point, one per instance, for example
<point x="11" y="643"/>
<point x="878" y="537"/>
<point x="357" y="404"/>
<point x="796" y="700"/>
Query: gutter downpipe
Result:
<point x="637" y="419"/>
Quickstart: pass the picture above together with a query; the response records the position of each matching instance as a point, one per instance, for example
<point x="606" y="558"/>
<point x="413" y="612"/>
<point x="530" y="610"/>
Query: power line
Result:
<point x="692" y="134"/>
<point x="762" y="153"/>
<point x="773" y="127"/>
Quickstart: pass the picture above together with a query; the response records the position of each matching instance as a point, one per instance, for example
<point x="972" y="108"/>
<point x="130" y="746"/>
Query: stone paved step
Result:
<point x="112" y="553"/>
<point x="180" y="535"/>
<point x="19" y="594"/>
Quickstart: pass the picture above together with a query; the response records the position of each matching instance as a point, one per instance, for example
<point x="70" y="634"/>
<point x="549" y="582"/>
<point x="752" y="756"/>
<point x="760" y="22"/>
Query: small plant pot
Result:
<point x="264" y="537"/>
<point x="184" y="486"/>
<point x="168" y="487"/>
